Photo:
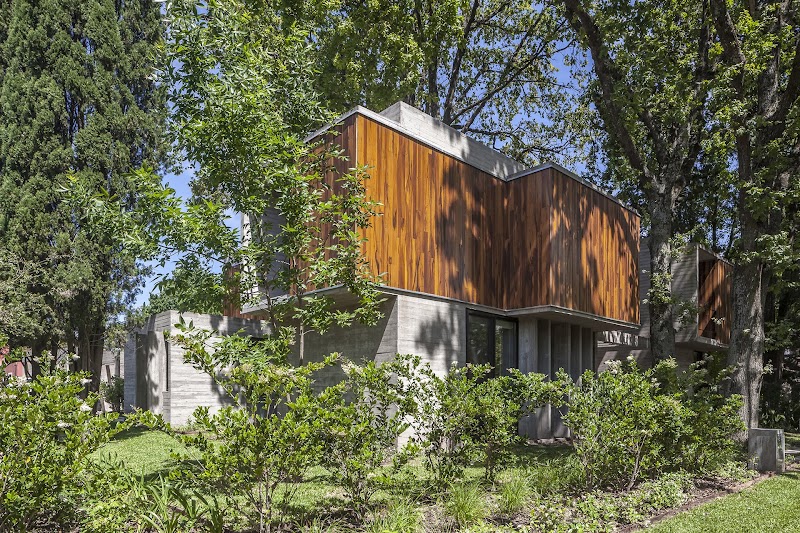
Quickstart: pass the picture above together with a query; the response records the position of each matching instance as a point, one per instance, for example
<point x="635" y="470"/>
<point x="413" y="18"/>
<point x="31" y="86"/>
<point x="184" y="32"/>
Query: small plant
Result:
<point x="465" y="504"/>
<point x="47" y="432"/>
<point x="399" y="517"/>
<point x="113" y="392"/>
<point x="514" y="493"/>
<point x="549" y="516"/>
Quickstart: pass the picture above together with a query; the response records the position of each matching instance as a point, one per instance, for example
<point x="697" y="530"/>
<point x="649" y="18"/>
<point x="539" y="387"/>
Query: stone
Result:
<point x="766" y="450"/>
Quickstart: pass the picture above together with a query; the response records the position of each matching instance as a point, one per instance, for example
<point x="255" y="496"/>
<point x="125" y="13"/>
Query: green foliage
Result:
<point x="189" y="288"/>
<point x="362" y="420"/>
<point x="113" y="392"/>
<point x="628" y="424"/>
<point x="485" y="67"/>
<point x="603" y="511"/>
<point x="77" y="97"/>
<point x="255" y="450"/>
<point x="465" y="416"/>
<point x="466" y="504"/>
<point x="398" y="517"/>
<point x="47" y="431"/>
<point x="564" y="475"/>
<point x="117" y="499"/>
<point x="514" y="493"/>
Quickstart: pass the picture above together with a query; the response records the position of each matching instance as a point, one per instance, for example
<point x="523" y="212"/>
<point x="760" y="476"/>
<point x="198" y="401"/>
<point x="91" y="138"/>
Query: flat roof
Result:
<point x="410" y="121"/>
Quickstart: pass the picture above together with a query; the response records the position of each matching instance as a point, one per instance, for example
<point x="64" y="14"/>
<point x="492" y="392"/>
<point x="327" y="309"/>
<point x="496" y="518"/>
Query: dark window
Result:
<point x="167" y="364"/>
<point x="491" y="340"/>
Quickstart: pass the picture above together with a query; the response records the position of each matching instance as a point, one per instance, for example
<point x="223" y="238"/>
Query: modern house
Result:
<point x="482" y="260"/>
<point x="701" y="285"/>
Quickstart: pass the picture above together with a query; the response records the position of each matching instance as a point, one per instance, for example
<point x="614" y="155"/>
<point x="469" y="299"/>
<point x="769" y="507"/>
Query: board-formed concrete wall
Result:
<point x="357" y="343"/>
<point x="158" y="379"/>
<point x="435" y="329"/>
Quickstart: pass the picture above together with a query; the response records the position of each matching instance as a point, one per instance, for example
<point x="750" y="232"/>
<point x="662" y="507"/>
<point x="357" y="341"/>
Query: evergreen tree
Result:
<point x="77" y="97"/>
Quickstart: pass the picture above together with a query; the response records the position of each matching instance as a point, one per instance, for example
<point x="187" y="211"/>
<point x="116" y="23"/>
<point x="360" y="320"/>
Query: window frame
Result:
<point x="494" y="317"/>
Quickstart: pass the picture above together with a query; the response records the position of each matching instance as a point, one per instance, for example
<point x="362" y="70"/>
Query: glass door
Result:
<point x="492" y="340"/>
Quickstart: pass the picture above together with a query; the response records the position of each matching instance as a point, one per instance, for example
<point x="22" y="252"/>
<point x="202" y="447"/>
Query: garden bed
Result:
<point x="548" y="499"/>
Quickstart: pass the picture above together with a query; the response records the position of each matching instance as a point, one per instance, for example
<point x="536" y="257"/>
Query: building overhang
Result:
<point x="545" y="312"/>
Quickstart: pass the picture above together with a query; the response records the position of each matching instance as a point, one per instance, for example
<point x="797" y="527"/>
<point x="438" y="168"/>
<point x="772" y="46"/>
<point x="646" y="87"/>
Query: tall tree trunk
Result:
<point x="662" y="328"/>
<point x="746" y="352"/>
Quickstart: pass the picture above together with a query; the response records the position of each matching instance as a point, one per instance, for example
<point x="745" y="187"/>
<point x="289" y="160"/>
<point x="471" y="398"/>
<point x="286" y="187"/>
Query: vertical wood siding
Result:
<point x="714" y="300"/>
<point x="451" y="230"/>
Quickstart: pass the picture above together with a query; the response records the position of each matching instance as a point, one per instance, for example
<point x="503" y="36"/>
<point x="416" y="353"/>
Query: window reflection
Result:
<point x="493" y="341"/>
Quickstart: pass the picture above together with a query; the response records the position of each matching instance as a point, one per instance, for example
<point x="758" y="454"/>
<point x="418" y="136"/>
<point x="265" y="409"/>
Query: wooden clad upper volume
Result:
<point x="714" y="299"/>
<point x="449" y="229"/>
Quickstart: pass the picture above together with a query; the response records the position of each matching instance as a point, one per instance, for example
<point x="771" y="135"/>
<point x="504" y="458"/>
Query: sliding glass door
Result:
<point x="492" y="340"/>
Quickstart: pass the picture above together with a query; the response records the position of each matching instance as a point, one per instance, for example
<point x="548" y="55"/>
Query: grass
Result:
<point x="769" y="506"/>
<point x="147" y="453"/>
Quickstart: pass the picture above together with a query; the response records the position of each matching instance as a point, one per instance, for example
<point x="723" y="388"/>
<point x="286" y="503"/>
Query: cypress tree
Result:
<point x="78" y="97"/>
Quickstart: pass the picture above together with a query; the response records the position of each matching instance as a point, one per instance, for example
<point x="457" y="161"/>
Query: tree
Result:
<point x="243" y="101"/>
<point x="652" y="65"/>
<point x="485" y="67"/>
<point x="759" y="44"/>
<point x="77" y="96"/>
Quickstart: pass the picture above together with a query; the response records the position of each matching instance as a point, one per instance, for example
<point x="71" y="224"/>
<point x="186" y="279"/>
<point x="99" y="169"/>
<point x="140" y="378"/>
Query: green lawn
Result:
<point x="149" y="453"/>
<point x="145" y="452"/>
<point x="771" y="506"/>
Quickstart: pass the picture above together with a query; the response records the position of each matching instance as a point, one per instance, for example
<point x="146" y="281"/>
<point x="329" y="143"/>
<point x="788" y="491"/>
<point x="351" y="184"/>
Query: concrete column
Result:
<point x="528" y="362"/>
<point x="544" y="366"/>
<point x="528" y="345"/>
<point x="561" y="346"/>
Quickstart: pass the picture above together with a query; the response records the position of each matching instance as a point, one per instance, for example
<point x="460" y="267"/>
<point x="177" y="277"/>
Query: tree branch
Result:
<point x="582" y="23"/>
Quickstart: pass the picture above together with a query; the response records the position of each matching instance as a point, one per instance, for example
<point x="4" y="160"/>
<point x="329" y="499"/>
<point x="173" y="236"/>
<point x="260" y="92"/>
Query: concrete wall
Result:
<point x="158" y="379"/>
<point x="357" y="343"/>
<point x="434" y="329"/>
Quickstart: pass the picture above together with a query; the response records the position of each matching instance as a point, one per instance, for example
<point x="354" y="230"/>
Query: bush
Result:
<point x="706" y="440"/>
<point x="465" y="416"/>
<point x="629" y="424"/>
<point x="255" y="451"/>
<point x="47" y="432"/>
<point x="617" y="420"/>
<point x="113" y="392"/>
<point x="361" y="421"/>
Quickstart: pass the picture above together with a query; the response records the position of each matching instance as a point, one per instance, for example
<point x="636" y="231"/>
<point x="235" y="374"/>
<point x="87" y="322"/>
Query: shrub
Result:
<point x="617" y="420"/>
<point x="113" y="392"/>
<point x="47" y="432"/>
<point x="628" y="424"/>
<point x="465" y="416"/>
<point x="705" y="441"/>
<point x="465" y="504"/>
<point x="361" y="421"/>
<point x="256" y="450"/>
